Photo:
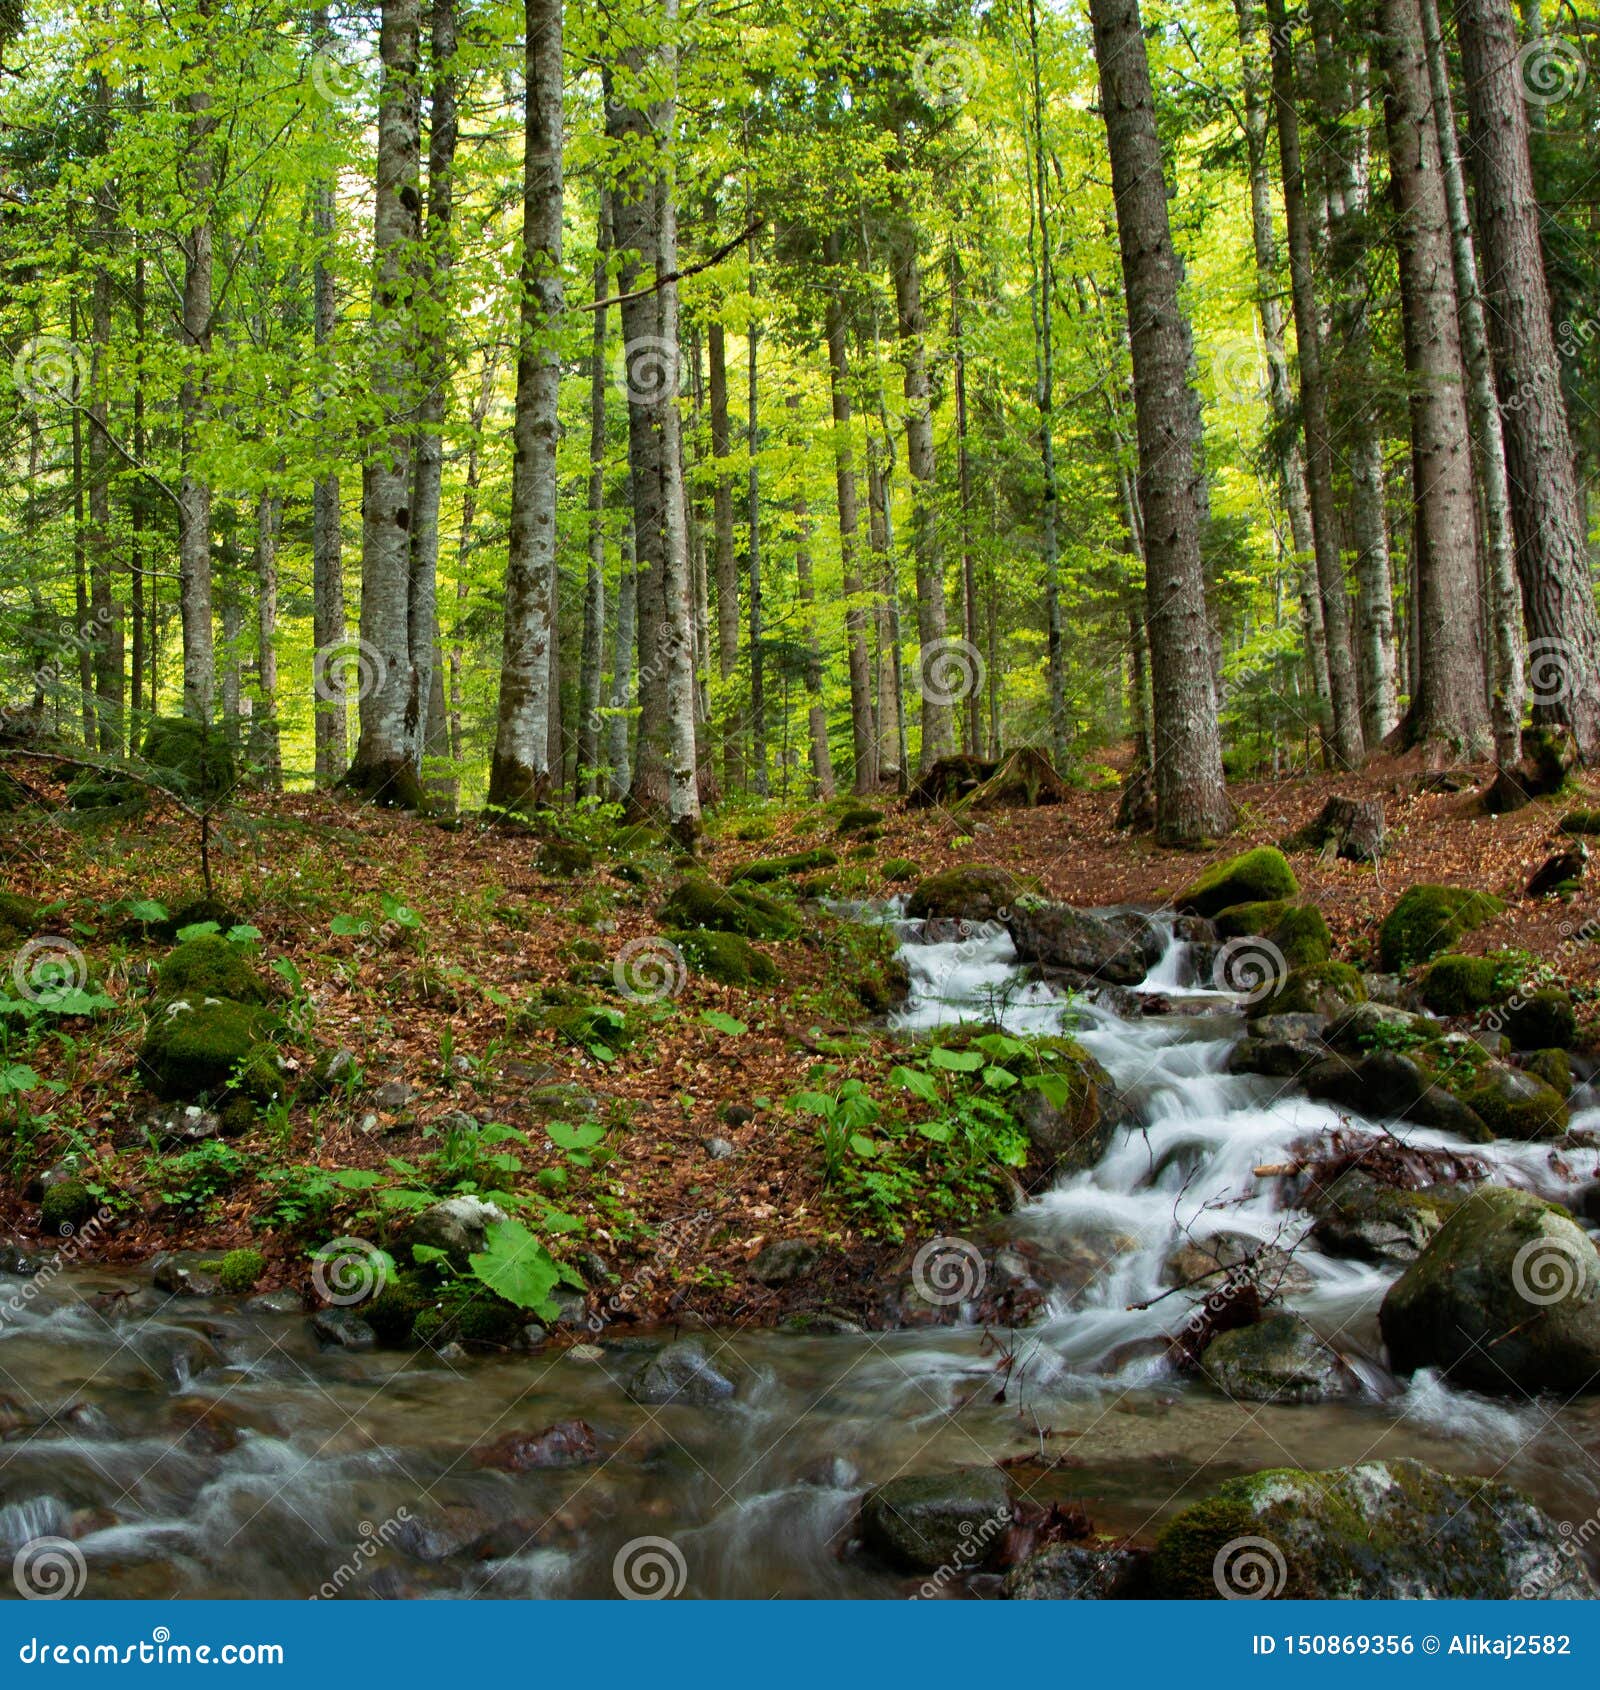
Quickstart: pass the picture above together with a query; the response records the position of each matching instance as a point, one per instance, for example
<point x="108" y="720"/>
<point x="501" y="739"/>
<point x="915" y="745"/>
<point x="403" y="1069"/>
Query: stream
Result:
<point x="193" y="1447"/>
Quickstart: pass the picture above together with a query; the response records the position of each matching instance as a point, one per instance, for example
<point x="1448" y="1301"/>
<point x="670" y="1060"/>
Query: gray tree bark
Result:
<point x="591" y="657"/>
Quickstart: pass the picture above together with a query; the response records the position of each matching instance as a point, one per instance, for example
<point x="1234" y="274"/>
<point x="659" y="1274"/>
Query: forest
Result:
<point x="869" y="722"/>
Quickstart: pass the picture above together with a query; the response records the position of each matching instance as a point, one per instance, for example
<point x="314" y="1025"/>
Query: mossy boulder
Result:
<point x="728" y="957"/>
<point x="897" y="869"/>
<point x="1506" y="1299"/>
<point x="1459" y="985"/>
<point x="1542" y="1020"/>
<point x="1359" y="1217"/>
<point x="564" y="858"/>
<point x="858" y="819"/>
<point x="1323" y="988"/>
<point x="67" y="1204"/>
<point x="239" y="1270"/>
<point x="588" y="1024"/>
<point x="698" y="901"/>
<point x="208" y="1048"/>
<point x="1513" y="1103"/>
<point x="17" y="914"/>
<point x="1297" y="930"/>
<point x="1251" y="877"/>
<point x="1428" y="919"/>
<point x="1554" y="1067"/>
<point x="972" y="892"/>
<point x="766" y="869"/>
<point x="924" y="1521"/>
<point x="1380" y="1530"/>
<point x="190" y="758"/>
<point x="1240" y="921"/>
<point x="209" y="967"/>
<point x="1580" y="822"/>
<point x="1065" y="1107"/>
<point x="1278" y="1359"/>
<point x="94" y="791"/>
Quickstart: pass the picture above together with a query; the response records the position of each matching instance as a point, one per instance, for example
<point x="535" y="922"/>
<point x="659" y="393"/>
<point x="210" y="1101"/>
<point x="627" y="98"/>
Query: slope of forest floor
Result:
<point x="452" y="1000"/>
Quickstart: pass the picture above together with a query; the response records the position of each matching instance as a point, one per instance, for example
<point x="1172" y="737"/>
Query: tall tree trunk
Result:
<point x="82" y="627"/>
<point x="266" y="750"/>
<point x="726" y="565"/>
<point x="972" y="731"/>
<point x="1450" y="707"/>
<point x="822" y="782"/>
<point x="137" y="506"/>
<point x="194" y="488"/>
<point x="1346" y="730"/>
<point x="622" y="649"/>
<point x="1191" y="800"/>
<point x="933" y="668"/>
<point x="891" y="715"/>
<point x="1483" y="409"/>
<point x="758" y="656"/>
<point x="862" y="726"/>
<point x="328" y="631"/>
<point x="106" y="614"/>
<point x="435" y="262"/>
<point x="384" y="767"/>
<point x="1552" y="561"/>
<point x="591" y="658"/>
<point x="1287" y="457"/>
<point x="519" y="775"/>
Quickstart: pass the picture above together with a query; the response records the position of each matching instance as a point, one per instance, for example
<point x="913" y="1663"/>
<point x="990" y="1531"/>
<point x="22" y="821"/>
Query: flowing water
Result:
<point x="196" y="1448"/>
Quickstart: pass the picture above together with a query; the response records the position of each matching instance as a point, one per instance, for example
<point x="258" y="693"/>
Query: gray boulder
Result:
<point x="783" y="1261"/>
<point x="681" y="1374"/>
<point x="458" y="1226"/>
<point x="1078" y="1572"/>
<point x="925" y="1522"/>
<point x="1056" y="936"/>
<point x="1359" y="1217"/>
<point x="1279" y="1359"/>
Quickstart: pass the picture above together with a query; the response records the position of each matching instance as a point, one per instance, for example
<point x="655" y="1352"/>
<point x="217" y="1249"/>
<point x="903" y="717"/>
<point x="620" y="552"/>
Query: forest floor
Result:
<point x="447" y="1002"/>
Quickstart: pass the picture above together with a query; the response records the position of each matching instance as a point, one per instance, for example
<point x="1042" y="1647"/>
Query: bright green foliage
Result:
<point x="1251" y="877"/>
<point x="1458" y="985"/>
<point x="698" y="901"/>
<point x="765" y="869"/>
<point x="239" y="1270"/>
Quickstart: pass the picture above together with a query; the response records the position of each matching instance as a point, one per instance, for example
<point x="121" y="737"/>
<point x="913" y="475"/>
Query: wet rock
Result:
<point x="1069" y="1124"/>
<point x="1279" y="1359"/>
<point x="392" y="1095"/>
<point x="1515" y="1104"/>
<point x="14" y="1259"/>
<point x="738" y="1114"/>
<point x="1360" y="1217"/>
<point x="1323" y="988"/>
<point x="342" y="1329"/>
<point x="1205" y="1261"/>
<point x="1390" y="1083"/>
<point x="1381" y="1530"/>
<point x="1305" y="1028"/>
<point x="566" y="1443"/>
<point x="1355" y="1031"/>
<point x="1506" y="1299"/>
<point x="681" y="1374"/>
<point x="458" y="1226"/>
<point x="973" y="892"/>
<point x="1282" y="1059"/>
<point x="438" y="1533"/>
<point x="1057" y="936"/>
<point x="275" y="1302"/>
<point x="718" y="1149"/>
<point x="1384" y="988"/>
<point x="1079" y="1572"/>
<point x="185" y="1273"/>
<point x="821" y="1323"/>
<point x="927" y="1521"/>
<point x="1542" y="1020"/>
<point x="784" y="1260"/>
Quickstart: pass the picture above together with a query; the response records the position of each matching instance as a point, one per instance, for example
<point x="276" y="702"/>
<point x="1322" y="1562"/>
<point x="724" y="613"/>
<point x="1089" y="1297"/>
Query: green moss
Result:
<point x="1529" y="1111"/>
<point x="1428" y="919"/>
<point x="1553" y="1067"/>
<point x="1543" y="1020"/>
<point x="898" y="869"/>
<point x="753" y="830"/>
<point x="203" y="1050"/>
<point x="239" y="1270"/>
<point x="858" y="818"/>
<point x="969" y="892"/>
<point x="66" y="1206"/>
<point x="1183" y="1566"/>
<point x="698" y="901"/>
<point x="209" y="967"/>
<point x="564" y="858"/>
<point x="591" y="1024"/>
<point x="728" y="957"/>
<point x="399" y="1307"/>
<point x="817" y="886"/>
<point x="1240" y="921"/>
<point x="1251" y="877"/>
<point x="190" y="758"/>
<point x="1302" y="935"/>
<point x="17" y="914"/>
<point x="766" y="869"/>
<point x="104" y="792"/>
<point x="1581" y="821"/>
<point x="1458" y="985"/>
<point x="1319" y="989"/>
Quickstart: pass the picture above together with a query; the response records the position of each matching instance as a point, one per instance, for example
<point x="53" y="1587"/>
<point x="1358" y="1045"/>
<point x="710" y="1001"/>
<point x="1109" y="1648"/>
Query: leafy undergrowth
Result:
<point x="557" y="1057"/>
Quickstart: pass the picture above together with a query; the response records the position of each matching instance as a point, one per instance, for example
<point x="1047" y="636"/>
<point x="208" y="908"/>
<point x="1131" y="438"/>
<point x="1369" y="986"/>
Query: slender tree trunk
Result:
<point x="891" y="717"/>
<point x="105" y="613"/>
<point x="822" y="782"/>
<point x="82" y="641"/>
<point x="1483" y="407"/>
<point x="1191" y="800"/>
<point x="519" y="775"/>
<point x="622" y="649"/>
<point x="194" y="487"/>
<point x="758" y="656"/>
<point x="1552" y="560"/>
<point x="933" y="668"/>
<point x="264" y="734"/>
<point x="591" y="661"/>
<point x="137" y="505"/>
<point x="726" y="565"/>
<point x="384" y="766"/>
<point x="1346" y="730"/>
<point x="863" y="728"/>
<point x="972" y="731"/>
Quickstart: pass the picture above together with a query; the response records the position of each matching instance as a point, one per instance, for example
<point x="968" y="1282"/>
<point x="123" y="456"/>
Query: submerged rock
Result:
<point x="681" y="1374"/>
<point x="1279" y="1359"/>
<point x="927" y="1521"/>
<point x="1506" y="1299"/>
<point x="1079" y="1572"/>
<point x="1381" y="1530"/>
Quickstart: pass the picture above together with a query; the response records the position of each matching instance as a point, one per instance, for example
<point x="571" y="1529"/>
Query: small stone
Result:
<point x="737" y="1114"/>
<point x="680" y="1374"/>
<point x="566" y="1443"/>
<point x="392" y="1095"/>
<point x="719" y="1149"/>
<point x="342" y="1329"/>
<point x="585" y="1352"/>
<point x="275" y="1302"/>
<point x="784" y="1260"/>
<point x="185" y="1273"/>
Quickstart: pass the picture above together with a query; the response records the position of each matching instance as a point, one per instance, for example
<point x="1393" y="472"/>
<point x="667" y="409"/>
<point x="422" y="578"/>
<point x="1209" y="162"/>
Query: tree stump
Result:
<point x="1351" y="828"/>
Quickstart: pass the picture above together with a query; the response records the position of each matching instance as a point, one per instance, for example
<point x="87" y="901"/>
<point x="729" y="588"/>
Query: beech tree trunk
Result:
<point x="758" y="654"/>
<point x="1346" y="739"/>
<point x="591" y="658"/>
<point x="265" y="748"/>
<point x="622" y="650"/>
<point x="1450" y="706"/>
<point x="725" y="564"/>
<point x="384" y="767"/>
<point x="1191" y="800"/>
<point x="519" y="774"/>
<point x="1552" y="561"/>
<point x="822" y="782"/>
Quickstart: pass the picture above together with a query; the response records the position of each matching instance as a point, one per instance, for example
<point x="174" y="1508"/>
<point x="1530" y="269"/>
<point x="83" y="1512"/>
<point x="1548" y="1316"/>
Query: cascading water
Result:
<point x="196" y="1447"/>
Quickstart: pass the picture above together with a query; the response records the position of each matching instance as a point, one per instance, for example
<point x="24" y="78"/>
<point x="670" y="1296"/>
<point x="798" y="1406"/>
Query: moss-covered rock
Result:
<point x="857" y="819"/>
<point x="1513" y="1103"/>
<point x="972" y="892"/>
<point x="1358" y="1216"/>
<point x="1542" y="1020"/>
<point x="1428" y="919"/>
<point x="1069" y="1119"/>
<point x="1459" y="985"/>
<point x="1554" y="1067"/>
<point x="564" y="858"/>
<point x="1506" y="1299"/>
<point x="1251" y="877"/>
<point x="190" y="758"/>
<point x="67" y="1204"/>
<point x="698" y="901"/>
<point x="925" y="1521"/>
<point x="728" y="957"/>
<point x="239" y="1270"/>
<point x="1580" y="822"/>
<point x="1278" y="1359"/>
<point x="1240" y="921"/>
<point x="766" y="869"/>
<point x="17" y="914"/>
<point x="204" y="1049"/>
<point x="589" y="1024"/>
<point x="1323" y="988"/>
<point x="1380" y="1530"/>
<point x="95" y="791"/>
<point x="209" y="967"/>
<point x="897" y="869"/>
